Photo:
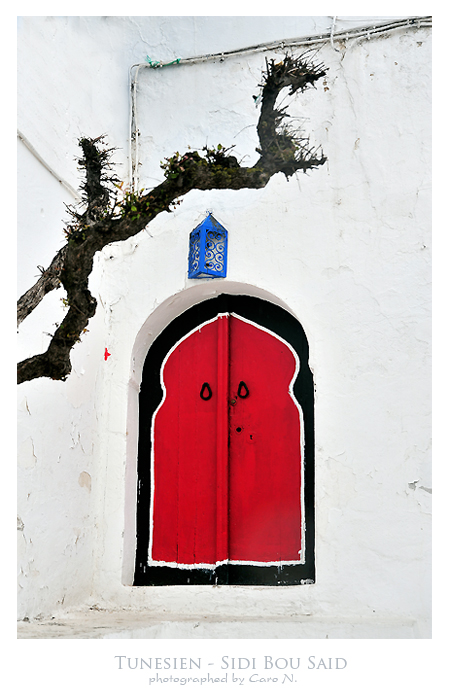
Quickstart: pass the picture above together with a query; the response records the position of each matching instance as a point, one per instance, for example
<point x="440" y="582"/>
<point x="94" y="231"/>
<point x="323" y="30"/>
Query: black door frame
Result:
<point x="276" y="319"/>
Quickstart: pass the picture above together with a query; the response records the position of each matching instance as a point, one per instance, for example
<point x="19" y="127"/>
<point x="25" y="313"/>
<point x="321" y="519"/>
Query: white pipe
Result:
<point x="63" y="182"/>
<point x="366" y="31"/>
<point x="334" y="21"/>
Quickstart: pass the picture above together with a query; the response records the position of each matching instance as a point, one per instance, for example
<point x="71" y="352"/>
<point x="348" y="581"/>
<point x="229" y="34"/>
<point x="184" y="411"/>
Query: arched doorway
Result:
<point x="226" y="449"/>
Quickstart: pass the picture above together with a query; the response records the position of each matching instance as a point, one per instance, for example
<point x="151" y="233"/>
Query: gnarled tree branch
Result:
<point x="48" y="281"/>
<point x="100" y="223"/>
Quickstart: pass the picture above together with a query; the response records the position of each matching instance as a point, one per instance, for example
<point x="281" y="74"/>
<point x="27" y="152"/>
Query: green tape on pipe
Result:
<point x="159" y="64"/>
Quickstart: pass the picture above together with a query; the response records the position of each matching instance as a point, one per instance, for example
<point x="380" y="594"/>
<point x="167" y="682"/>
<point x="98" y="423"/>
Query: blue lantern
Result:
<point x="208" y="250"/>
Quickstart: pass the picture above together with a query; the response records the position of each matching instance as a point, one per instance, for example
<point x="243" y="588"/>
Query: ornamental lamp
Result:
<point x="208" y="250"/>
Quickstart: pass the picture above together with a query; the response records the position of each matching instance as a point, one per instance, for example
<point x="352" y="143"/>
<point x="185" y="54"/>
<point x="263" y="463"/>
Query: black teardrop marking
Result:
<point x="205" y="388"/>
<point x="243" y="387"/>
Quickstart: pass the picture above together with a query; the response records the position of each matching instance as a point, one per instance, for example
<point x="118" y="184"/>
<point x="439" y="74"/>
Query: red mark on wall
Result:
<point x="106" y="354"/>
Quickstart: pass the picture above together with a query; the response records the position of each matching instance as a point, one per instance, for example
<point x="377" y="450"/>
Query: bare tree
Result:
<point x="106" y="219"/>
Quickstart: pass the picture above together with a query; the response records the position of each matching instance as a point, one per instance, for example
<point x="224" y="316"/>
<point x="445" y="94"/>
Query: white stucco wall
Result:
<point x="345" y="248"/>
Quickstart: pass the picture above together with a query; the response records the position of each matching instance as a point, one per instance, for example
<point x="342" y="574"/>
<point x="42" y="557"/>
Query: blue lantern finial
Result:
<point x="208" y="249"/>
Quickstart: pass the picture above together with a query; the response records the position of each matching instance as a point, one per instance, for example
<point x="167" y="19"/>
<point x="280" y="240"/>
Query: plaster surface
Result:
<point x="345" y="248"/>
<point x="112" y="624"/>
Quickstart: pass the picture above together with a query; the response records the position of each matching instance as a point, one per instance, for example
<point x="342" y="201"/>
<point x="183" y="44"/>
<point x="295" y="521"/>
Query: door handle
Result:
<point x="209" y="392"/>
<point x="242" y="388"/>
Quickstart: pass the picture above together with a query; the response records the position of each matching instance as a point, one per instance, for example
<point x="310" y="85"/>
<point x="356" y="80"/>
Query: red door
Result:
<point x="227" y="458"/>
